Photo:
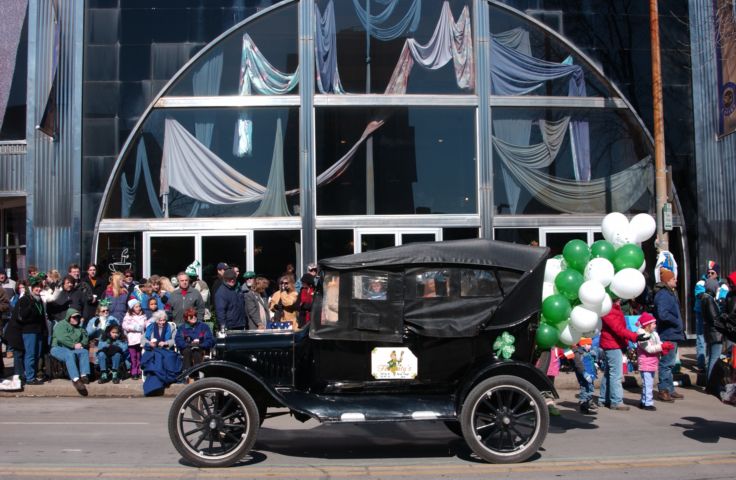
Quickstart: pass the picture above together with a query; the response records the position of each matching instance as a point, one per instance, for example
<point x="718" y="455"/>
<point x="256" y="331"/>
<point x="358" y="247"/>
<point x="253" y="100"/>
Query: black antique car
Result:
<point x="399" y="334"/>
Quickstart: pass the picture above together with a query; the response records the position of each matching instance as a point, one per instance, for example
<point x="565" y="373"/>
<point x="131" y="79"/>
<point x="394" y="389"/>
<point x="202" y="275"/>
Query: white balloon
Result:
<point x="643" y="266"/>
<point x="547" y="289"/>
<point x="612" y="223"/>
<point x="551" y="269"/>
<point x="600" y="270"/>
<point x="569" y="336"/>
<point x="582" y="319"/>
<point x="623" y="236"/>
<point x="591" y="294"/>
<point x="628" y="283"/>
<point x="643" y="226"/>
<point x="606" y="306"/>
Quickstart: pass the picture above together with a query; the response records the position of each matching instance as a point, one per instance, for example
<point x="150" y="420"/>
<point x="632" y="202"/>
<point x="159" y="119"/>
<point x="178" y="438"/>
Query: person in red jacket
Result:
<point x="614" y="339"/>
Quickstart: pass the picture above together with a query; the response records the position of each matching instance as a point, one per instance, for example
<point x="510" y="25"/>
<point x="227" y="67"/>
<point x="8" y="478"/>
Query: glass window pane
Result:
<point x="202" y="133"/>
<point x="374" y="241"/>
<point x="478" y="283"/>
<point x="370" y="286"/>
<point x="331" y="302"/>
<point x="542" y="46"/>
<point x="171" y="255"/>
<point x="333" y="243"/>
<point x="524" y="236"/>
<point x="274" y="251"/>
<point x="459" y="233"/>
<point x="274" y="36"/>
<point x="432" y="283"/>
<point x="417" y="237"/>
<point x="362" y="63"/>
<point x="423" y="161"/>
<point x="117" y="252"/>
<point x="231" y="249"/>
<point x="556" y="241"/>
<point x="616" y="144"/>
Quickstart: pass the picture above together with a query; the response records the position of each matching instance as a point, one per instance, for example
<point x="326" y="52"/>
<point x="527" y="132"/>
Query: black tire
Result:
<point x="218" y="412"/>
<point x="504" y="419"/>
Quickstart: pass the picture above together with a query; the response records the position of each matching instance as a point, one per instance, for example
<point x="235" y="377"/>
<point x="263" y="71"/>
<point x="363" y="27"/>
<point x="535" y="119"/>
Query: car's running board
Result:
<point x="372" y="408"/>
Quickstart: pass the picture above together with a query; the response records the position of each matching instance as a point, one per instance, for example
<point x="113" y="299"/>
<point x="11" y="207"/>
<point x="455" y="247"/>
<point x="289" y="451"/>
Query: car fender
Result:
<point x="243" y="376"/>
<point x="494" y="368"/>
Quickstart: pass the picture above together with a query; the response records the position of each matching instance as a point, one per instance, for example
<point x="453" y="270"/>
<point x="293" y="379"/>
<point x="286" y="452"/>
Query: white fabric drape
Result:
<point x="192" y="169"/>
<point x="514" y="131"/>
<point x="273" y="202"/>
<point x="451" y="41"/>
<point x="256" y="73"/>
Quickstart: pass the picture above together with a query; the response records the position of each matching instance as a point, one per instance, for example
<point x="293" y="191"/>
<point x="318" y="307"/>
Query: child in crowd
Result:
<point x="152" y="307"/>
<point x="193" y="339"/>
<point x="112" y="346"/>
<point x="96" y="326"/>
<point x="586" y="373"/>
<point x="648" y="352"/>
<point x="159" y="333"/>
<point x="134" y="324"/>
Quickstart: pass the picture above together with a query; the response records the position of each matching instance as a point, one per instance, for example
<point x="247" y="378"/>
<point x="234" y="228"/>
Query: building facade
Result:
<point x="264" y="133"/>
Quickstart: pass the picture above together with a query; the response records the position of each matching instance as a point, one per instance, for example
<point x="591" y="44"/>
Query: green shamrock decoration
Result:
<point x="504" y="345"/>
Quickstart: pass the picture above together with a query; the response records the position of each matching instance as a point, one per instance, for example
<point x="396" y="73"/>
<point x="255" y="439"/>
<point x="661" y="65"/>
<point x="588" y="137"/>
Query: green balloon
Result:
<point x="628" y="256"/>
<point x="547" y="336"/>
<point x="603" y="249"/>
<point x="568" y="283"/>
<point x="556" y="309"/>
<point x="576" y="254"/>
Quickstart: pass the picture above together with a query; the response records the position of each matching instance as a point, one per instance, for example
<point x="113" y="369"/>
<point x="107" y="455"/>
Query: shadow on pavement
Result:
<point x="571" y="419"/>
<point x="363" y="441"/>
<point x="707" y="431"/>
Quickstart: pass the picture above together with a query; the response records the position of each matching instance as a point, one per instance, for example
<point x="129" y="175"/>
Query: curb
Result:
<point x="64" y="388"/>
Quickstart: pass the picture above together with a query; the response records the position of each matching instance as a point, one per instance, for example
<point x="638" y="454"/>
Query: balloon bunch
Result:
<point x="579" y="284"/>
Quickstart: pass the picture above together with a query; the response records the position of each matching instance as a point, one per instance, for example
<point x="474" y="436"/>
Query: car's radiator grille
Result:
<point x="274" y="365"/>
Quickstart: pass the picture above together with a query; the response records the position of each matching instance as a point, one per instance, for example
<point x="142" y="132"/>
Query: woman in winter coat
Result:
<point x="193" y="339"/>
<point x="117" y="296"/>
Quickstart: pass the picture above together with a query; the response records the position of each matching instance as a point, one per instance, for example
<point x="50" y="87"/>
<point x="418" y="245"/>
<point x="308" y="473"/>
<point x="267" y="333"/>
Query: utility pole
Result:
<point x="660" y="168"/>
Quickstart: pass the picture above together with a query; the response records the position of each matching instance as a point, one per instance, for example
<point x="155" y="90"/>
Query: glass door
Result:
<point x="556" y="237"/>
<point x="367" y="239"/>
<point x="168" y="253"/>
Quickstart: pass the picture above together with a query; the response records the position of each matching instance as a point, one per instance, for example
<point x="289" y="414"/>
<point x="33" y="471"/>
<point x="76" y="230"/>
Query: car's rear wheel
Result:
<point x="504" y="419"/>
<point x="213" y="422"/>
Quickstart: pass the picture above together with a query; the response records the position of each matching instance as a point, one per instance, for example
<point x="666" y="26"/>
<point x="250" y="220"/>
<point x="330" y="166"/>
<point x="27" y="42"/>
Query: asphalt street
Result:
<point x="127" y="438"/>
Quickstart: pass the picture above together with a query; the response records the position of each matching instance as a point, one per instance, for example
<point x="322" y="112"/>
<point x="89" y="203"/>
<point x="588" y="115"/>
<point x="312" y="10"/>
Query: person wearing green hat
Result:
<point x="69" y="345"/>
<point x="32" y="323"/>
<point x="250" y="279"/>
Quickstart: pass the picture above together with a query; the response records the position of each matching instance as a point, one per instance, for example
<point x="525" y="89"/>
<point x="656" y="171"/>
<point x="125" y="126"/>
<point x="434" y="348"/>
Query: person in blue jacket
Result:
<point x="159" y="333"/>
<point x="670" y="329"/>
<point x="193" y="339"/>
<point x="229" y="303"/>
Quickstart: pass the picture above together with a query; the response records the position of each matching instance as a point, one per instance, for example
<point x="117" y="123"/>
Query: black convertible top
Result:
<point x="479" y="252"/>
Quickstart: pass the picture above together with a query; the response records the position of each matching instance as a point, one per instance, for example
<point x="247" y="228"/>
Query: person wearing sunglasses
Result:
<point x="99" y="323"/>
<point x="283" y="302"/>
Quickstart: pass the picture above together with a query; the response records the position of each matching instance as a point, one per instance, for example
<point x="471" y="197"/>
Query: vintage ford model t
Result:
<point x="399" y="334"/>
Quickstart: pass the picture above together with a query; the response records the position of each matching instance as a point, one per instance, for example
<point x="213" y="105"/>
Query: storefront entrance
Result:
<point x="13" y="237"/>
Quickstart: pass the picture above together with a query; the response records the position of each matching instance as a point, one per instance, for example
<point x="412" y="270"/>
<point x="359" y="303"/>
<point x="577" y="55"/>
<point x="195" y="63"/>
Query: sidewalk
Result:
<point x="134" y="388"/>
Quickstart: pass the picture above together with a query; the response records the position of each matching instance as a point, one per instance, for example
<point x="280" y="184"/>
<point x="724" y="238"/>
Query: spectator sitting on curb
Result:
<point x="112" y="346"/>
<point x="97" y="325"/>
<point x="69" y="345"/>
<point x="193" y="339"/>
<point x="159" y="333"/>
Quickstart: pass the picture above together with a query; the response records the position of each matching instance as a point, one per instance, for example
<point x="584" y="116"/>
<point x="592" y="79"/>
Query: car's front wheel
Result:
<point x="504" y="419"/>
<point x="213" y="422"/>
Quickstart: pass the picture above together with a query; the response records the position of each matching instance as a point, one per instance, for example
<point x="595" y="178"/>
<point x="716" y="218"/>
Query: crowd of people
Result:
<point x="102" y="326"/>
<point x="653" y="345"/>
